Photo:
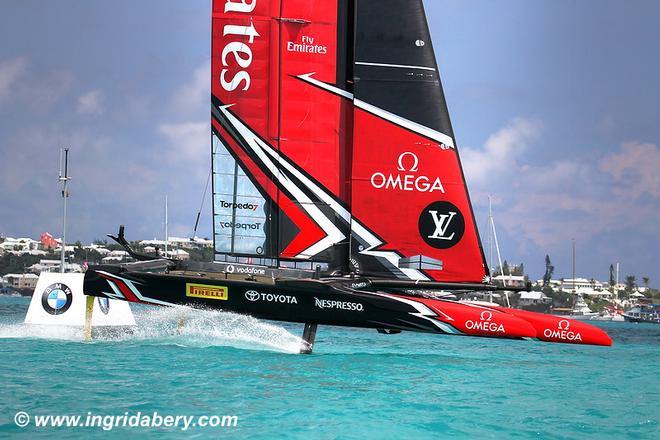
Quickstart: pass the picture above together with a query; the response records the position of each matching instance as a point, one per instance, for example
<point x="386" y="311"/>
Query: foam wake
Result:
<point x="179" y="326"/>
<point x="203" y="328"/>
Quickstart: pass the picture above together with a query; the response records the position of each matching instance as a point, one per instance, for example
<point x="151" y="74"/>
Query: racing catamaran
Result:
<point x="338" y="192"/>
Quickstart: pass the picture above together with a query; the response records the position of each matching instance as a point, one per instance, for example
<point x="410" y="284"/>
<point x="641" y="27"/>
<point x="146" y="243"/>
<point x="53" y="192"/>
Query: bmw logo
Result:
<point x="104" y="305"/>
<point x="57" y="298"/>
<point x="252" y="295"/>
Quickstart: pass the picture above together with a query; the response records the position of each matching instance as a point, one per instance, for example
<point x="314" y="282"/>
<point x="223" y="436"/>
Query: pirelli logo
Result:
<point x="207" y="292"/>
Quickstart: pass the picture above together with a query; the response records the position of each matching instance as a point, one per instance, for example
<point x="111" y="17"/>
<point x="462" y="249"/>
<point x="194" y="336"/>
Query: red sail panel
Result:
<point x="310" y="117"/>
<point x="244" y="61"/>
<point x="244" y="81"/>
<point x="309" y="121"/>
<point x="408" y="187"/>
<point x="409" y="191"/>
<point x="279" y="146"/>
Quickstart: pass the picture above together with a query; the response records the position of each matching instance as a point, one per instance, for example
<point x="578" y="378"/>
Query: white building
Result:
<point x="178" y="254"/>
<point x="54" y="266"/>
<point x="532" y="298"/>
<point x="20" y="245"/>
<point x="580" y="285"/>
<point x="45" y="266"/>
<point x="179" y="242"/>
<point x="554" y="284"/>
<point x="98" y="248"/>
<point x="102" y="250"/>
<point x="37" y="252"/>
<point x="509" y="280"/>
<point x="116" y="257"/>
<point x="190" y="243"/>
<point x="22" y="280"/>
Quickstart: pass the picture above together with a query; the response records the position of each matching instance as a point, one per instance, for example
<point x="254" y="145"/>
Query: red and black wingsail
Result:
<point x="408" y="184"/>
<point x="332" y="141"/>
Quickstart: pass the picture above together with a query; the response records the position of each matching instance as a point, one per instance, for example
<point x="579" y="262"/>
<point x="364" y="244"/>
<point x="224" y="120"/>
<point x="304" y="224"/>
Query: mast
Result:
<point x="166" y="234"/>
<point x="64" y="178"/>
<point x="497" y="247"/>
<point x="574" y="286"/>
<point x="490" y="231"/>
<point x="617" y="273"/>
<point x="617" y="280"/>
<point x="492" y="234"/>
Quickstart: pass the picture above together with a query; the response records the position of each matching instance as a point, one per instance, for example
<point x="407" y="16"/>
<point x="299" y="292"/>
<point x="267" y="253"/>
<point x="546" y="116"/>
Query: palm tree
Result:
<point x="549" y="270"/>
<point x="646" y="281"/>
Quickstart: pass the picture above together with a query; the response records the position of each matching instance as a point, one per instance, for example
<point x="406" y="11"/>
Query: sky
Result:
<point x="555" y="106"/>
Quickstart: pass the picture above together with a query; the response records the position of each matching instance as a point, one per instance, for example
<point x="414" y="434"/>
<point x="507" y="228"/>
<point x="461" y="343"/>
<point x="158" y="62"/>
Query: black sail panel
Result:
<point x="395" y="65"/>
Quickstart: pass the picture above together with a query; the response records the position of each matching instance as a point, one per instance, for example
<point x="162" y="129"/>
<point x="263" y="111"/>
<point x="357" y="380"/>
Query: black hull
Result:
<point x="301" y="301"/>
<point x="333" y="301"/>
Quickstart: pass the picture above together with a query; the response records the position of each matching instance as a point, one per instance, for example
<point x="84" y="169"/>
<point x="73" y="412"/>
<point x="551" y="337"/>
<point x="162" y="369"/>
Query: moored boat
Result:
<point x="644" y="313"/>
<point x="581" y="310"/>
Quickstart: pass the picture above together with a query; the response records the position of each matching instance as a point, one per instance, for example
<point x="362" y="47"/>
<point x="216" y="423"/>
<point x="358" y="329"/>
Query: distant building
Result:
<point x="21" y="281"/>
<point x="47" y="241"/>
<point x="116" y="257"/>
<point x="54" y="266"/>
<point x="97" y="248"/>
<point x="178" y="254"/>
<point x="179" y="242"/>
<point x="510" y="280"/>
<point x="37" y="252"/>
<point x="554" y="284"/>
<point x="19" y="245"/>
<point x="533" y="298"/>
<point x="584" y="286"/>
<point x="45" y="266"/>
<point x="191" y="243"/>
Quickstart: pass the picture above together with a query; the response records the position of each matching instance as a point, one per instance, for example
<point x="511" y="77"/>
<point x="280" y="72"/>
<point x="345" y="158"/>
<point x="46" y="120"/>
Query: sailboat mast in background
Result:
<point x="166" y="233"/>
<point x="64" y="178"/>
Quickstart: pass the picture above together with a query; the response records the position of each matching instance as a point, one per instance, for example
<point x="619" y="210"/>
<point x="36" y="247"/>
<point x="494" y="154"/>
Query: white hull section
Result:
<point x="58" y="299"/>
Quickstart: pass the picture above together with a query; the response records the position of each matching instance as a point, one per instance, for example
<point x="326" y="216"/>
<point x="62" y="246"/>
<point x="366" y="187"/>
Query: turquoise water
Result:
<point x="358" y="384"/>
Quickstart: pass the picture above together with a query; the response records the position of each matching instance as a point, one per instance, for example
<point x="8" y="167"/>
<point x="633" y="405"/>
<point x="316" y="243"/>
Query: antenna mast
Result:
<point x="64" y="178"/>
<point x="490" y="231"/>
<point x="166" y="233"/>
<point x="574" y="285"/>
<point x="492" y="235"/>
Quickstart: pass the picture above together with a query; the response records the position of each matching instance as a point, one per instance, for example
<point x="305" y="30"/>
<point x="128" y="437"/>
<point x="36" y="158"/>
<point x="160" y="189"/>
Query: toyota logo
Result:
<point x="252" y="295"/>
